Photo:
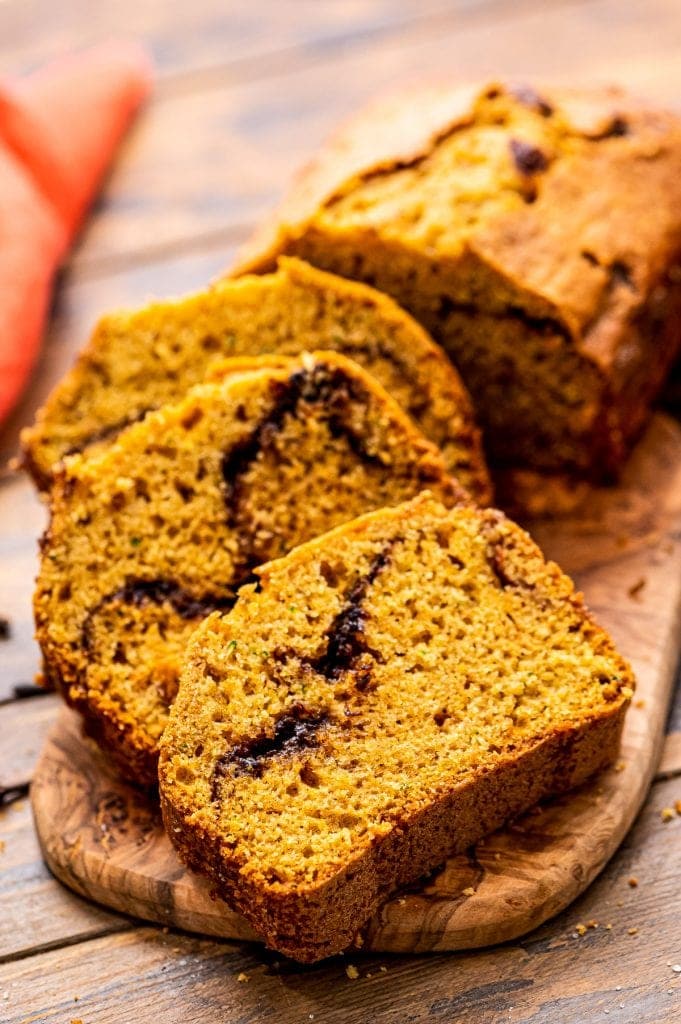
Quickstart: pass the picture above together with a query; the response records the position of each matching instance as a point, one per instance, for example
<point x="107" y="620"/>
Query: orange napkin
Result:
<point x="59" y="128"/>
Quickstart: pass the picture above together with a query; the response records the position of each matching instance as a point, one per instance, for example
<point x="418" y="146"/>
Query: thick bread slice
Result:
<point x="148" y="537"/>
<point x="141" y="360"/>
<point x="383" y="697"/>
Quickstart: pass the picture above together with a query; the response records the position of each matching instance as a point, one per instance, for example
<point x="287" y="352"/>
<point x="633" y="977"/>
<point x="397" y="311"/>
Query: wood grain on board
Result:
<point x="105" y="840"/>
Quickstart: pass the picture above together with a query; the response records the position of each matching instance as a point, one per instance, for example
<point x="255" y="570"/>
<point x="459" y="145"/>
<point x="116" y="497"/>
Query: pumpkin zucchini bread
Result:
<point x="383" y="697"/>
<point x="536" y="235"/>
<point x="141" y="360"/>
<point x="152" y="534"/>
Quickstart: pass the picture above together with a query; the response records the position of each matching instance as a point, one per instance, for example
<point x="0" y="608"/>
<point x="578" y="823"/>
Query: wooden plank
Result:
<point x="185" y="38"/>
<point x="674" y="722"/>
<point x="57" y="917"/>
<point x="24" y="725"/>
<point x="554" y="975"/>
<point x="209" y="163"/>
<point x="36" y="912"/>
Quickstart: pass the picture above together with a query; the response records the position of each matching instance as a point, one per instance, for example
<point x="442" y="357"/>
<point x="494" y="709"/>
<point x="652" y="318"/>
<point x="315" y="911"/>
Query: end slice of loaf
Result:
<point x="518" y="226"/>
<point x="144" y="359"/>
<point x="386" y="695"/>
<point x="148" y="537"/>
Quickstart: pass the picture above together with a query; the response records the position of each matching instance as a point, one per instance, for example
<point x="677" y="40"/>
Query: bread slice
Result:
<point x="149" y="536"/>
<point x="516" y="225"/>
<point x="141" y="360"/>
<point x="383" y="697"/>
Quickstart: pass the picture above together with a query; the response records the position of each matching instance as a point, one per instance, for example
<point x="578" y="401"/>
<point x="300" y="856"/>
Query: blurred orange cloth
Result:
<point x="59" y="128"/>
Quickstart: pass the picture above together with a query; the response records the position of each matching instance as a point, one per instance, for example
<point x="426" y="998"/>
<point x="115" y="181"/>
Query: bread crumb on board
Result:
<point x="241" y="976"/>
<point x="633" y="881"/>
<point x="667" y="813"/>
<point x="352" y="972"/>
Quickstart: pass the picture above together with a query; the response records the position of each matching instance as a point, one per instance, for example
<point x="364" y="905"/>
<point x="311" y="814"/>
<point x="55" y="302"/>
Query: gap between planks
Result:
<point x="296" y="58"/>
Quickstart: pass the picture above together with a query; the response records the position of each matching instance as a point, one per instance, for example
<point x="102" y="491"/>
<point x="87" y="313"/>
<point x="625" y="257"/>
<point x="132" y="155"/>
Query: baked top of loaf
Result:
<point x="571" y="196"/>
<point x="384" y="696"/>
<point x="149" y="536"/>
<point x="537" y="236"/>
<point x="140" y="360"/>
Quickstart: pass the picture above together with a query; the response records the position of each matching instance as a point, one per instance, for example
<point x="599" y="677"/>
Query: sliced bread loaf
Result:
<point x="149" y="536"/>
<point x="383" y="697"/>
<point x="139" y="361"/>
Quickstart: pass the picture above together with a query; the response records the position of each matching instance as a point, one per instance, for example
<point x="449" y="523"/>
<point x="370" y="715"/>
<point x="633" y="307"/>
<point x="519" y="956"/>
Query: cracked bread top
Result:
<point x="569" y="198"/>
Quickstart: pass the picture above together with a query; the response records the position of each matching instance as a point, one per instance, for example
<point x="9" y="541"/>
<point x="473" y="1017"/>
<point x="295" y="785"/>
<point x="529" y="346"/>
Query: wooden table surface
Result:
<point x="245" y="92"/>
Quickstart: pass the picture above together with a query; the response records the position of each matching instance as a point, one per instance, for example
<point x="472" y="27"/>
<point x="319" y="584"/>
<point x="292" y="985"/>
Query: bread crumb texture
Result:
<point x="151" y="535"/>
<point x="386" y="695"/>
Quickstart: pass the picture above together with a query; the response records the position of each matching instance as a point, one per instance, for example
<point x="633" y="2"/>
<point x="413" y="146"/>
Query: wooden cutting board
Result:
<point x="104" y="839"/>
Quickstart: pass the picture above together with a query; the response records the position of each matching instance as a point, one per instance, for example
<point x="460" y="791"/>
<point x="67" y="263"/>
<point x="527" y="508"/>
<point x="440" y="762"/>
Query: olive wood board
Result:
<point x="104" y="838"/>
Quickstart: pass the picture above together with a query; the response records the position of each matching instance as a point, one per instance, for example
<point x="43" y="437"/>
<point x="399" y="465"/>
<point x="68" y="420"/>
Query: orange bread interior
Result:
<point x="384" y="696"/>
<point x="164" y="526"/>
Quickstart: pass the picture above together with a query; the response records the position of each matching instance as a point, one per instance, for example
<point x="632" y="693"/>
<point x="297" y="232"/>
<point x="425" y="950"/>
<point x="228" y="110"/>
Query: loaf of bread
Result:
<point x="150" y="535"/>
<point x="383" y="697"/>
<point x="536" y="235"/>
<point x="139" y="361"/>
